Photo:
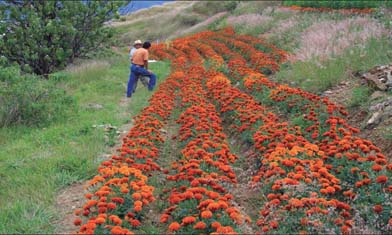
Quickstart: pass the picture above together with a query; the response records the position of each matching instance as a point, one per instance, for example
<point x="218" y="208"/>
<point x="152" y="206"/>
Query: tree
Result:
<point x="43" y="36"/>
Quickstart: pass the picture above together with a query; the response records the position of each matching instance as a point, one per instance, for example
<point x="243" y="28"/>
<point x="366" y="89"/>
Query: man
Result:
<point x="139" y="67"/>
<point x="136" y="45"/>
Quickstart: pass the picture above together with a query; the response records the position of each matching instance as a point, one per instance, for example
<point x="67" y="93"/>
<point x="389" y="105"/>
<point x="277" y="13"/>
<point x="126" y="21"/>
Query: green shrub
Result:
<point x="28" y="100"/>
<point x="45" y="36"/>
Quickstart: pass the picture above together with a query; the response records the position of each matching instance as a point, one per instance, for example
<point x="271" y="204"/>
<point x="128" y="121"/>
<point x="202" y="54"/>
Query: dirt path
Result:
<point x="72" y="197"/>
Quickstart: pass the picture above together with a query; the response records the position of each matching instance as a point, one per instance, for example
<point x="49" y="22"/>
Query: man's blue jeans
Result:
<point x="136" y="71"/>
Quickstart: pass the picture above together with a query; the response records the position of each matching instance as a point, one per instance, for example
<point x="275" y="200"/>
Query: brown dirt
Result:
<point x="68" y="200"/>
<point x="245" y="196"/>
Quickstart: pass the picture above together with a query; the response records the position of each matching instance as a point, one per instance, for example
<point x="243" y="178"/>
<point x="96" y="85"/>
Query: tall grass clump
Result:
<point x="332" y="37"/>
<point x="360" y="95"/>
<point x="29" y="100"/>
<point x="315" y="76"/>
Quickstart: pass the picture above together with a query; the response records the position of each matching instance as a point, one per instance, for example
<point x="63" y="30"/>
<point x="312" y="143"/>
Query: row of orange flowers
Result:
<point x="220" y="82"/>
<point x="369" y="171"/>
<point x="337" y="140"/>
<point x="198" y="200"/>
<point x="120" y="191"/>
<point x="334" y="136"/>
<point x="288" y="163"/>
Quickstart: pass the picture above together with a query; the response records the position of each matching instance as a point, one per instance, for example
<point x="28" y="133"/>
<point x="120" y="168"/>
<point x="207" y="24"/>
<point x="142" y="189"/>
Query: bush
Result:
<point x="65" y="30"/>
<point x="27" y="100"/>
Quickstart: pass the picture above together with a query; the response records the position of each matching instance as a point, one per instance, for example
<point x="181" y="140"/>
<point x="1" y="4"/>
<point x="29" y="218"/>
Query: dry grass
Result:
<point x="285" y="25"/>
<point x="249" y="20"/>
<point x="326" y="38"/>
<point x="169" y="8"/>
<point x="198" y="27"/>
<point x="87" y="66"/>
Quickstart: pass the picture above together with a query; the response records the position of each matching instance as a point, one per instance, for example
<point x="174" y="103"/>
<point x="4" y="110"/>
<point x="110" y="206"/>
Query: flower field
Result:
<point x="313" y="174"/>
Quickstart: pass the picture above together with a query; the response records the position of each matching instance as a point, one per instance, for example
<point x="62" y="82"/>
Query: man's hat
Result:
<point x="137" y="42"/>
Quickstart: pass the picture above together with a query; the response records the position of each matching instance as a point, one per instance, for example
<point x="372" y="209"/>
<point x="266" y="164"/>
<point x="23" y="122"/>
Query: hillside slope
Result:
<point x="326" y="49"/>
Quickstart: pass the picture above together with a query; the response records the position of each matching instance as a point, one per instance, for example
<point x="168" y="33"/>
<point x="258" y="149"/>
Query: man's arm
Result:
<point x="146" y="64"/>
<point x="145" y="57"/>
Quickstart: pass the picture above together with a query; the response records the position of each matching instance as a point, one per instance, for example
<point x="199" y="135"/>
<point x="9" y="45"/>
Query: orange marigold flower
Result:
<point x="389" y="166"/>
<point x="136" y="196"/>
<point x="138" y="203"/>
<point x="274" y="224"/>
<point x="135" y="222"/>
<point x="77" y="222"/>
<point x="200" y="225"/>
<point x="381" y="179"/>
<point x="330" y="190"/>
<point x="376" y="167"/>
<point x="78" y="212"/>
<point x="100" y="220"/>
<point x="111" y="206"/>
<point x="117" y="230"/>
<point x="206" y="214"/>
<point x="198" y="196"/>
<point x="215" y="225"/>
<point x="188" y="220"/>
<point x="354" y="169"/>
<point x="345" y="229"/>
<point x="118" y="200"/>
<point x="137" y="208"/>
<point x="378" y="209"/>
<point x="213" y="206"/>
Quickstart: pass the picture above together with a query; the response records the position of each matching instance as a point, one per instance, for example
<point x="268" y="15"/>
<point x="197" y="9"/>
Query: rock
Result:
<point x="387" y="111"/>
<point x="388" y="84"/>
<point x="388" y="101"/>
<point x="376" y="83"/>
<point x="375" y="119"/>
<point x="379" y="77"/>
<point x="376" y="107"/>
<point x="376" y="95"/>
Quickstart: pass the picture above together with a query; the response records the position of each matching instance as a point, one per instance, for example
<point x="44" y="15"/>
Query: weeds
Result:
<point x="360" y="96"/>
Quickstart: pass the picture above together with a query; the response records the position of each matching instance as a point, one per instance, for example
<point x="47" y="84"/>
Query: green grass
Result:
<point x="317" y="77"/>
<point x="360" y="96"/>
<point x="36" y="162"/>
